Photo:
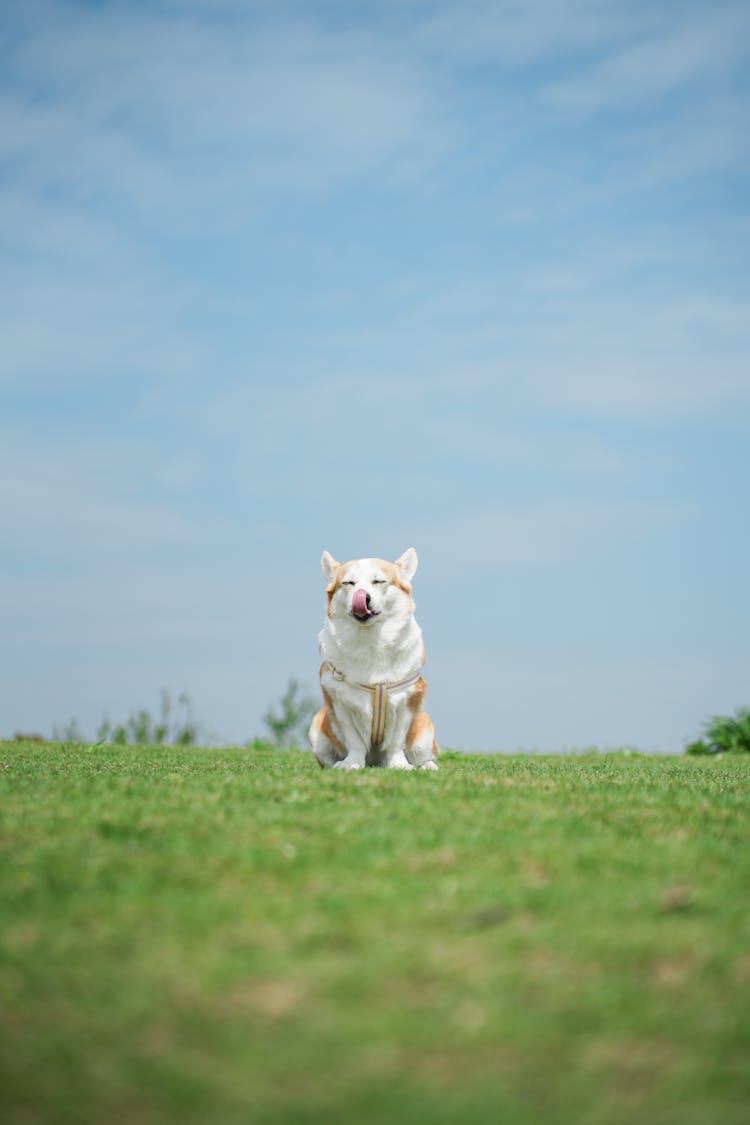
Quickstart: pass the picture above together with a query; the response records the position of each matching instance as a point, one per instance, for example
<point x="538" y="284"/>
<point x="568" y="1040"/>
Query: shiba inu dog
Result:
<point x="371" y="675"/>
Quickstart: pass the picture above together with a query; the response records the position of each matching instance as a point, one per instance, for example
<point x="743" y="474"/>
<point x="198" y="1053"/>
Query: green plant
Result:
<point x="288" y="726"/>
<point x="725" y="734"/>
<point x="260" y="744"/>
<point x="69" y="732"/>
<point x="175" y="726"/>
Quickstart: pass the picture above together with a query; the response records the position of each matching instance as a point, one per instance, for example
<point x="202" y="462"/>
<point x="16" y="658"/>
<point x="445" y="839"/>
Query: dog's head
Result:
<point x="369" y="591"/>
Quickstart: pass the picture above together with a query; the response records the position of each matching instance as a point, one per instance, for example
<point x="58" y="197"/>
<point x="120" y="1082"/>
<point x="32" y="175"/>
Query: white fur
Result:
<point x="385" y="649"/>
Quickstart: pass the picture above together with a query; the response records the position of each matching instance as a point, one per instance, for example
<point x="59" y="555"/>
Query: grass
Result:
<point x="235" y="936"/>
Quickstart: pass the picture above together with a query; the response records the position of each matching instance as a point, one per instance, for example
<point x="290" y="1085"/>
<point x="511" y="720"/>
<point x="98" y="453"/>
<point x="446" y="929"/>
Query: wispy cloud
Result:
<point x="517" y="33"/>
<point x="143" y="106"/>
<point x="691" y="48"/>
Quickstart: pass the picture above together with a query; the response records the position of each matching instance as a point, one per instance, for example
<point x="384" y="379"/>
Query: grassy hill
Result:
<point x="212" y="936"/>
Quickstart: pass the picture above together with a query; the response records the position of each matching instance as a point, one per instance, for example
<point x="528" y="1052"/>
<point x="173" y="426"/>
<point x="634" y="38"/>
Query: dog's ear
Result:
<point x="407" y="564"/>
<point x="328" y="565"/>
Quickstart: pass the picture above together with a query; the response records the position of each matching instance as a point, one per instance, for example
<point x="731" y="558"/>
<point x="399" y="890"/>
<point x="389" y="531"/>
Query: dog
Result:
<point x="371" y="675"/>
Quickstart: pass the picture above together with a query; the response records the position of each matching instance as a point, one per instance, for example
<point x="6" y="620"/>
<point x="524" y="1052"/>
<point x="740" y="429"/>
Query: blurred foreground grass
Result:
<point x="234" y="936"/>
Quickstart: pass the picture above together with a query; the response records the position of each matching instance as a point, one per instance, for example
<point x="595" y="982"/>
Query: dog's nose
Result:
<point x="361" y="603"/>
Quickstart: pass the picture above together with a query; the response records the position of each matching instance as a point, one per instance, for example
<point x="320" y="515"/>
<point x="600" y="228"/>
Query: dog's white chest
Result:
<point x="377" y="711"/>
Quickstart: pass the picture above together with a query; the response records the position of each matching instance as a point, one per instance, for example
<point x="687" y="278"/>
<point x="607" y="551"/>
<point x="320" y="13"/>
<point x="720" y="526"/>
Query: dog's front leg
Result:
<point x="353" y="761"/>
<point x="356" y="749"/>
<point x="397" y="760"/>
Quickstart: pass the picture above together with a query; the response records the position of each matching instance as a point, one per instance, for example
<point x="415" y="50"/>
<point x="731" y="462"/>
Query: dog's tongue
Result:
<point x="359" y="603"/>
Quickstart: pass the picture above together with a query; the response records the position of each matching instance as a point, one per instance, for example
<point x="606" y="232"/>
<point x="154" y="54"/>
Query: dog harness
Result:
<point x="379" y="698"/>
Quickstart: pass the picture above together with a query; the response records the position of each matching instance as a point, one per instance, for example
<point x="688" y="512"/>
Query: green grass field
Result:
<point x="213" y="936"/>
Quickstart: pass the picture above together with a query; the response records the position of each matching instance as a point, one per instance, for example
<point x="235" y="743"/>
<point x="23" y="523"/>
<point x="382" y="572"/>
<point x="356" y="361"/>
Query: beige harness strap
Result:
<point x="379" y="699"/>
<point x="379" y="710"/>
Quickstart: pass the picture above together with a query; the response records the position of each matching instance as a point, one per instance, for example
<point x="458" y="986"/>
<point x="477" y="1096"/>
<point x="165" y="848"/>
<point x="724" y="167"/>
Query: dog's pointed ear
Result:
<point x="407" y="564"/>
<point x="328" y="565"/>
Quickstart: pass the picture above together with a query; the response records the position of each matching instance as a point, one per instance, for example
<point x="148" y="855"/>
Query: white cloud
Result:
<point x="80" y="333"/>
<point x="693" y="46"/>
<point x="515" y="532"/>
<point x="518" y="32"/>
<point x="156" y="111"/>
<point x="614" y="333"/>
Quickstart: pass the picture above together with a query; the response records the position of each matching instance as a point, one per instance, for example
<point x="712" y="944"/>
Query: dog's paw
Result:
<point x="431" y="765"/>
<point x="346" y="765"/>
<point x="400" y="764"/>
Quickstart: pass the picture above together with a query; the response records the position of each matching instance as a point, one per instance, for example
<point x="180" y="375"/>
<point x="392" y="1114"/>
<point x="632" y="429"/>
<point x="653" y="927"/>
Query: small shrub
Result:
<point x="174" y="727"/>
<point x="288" y="727"/>
<point x="140" y="729"/>
<point x="724" y="735"/>
<point x="261" y="744"/>
<point x="69" y="732"/>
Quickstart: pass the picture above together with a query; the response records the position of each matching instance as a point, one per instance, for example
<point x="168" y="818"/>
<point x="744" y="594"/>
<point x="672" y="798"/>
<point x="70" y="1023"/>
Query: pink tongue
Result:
<point x="359" y="603"/>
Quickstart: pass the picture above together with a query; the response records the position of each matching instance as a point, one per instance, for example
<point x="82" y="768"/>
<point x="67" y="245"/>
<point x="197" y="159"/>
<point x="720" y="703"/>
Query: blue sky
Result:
<point x="469" y="276"/>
